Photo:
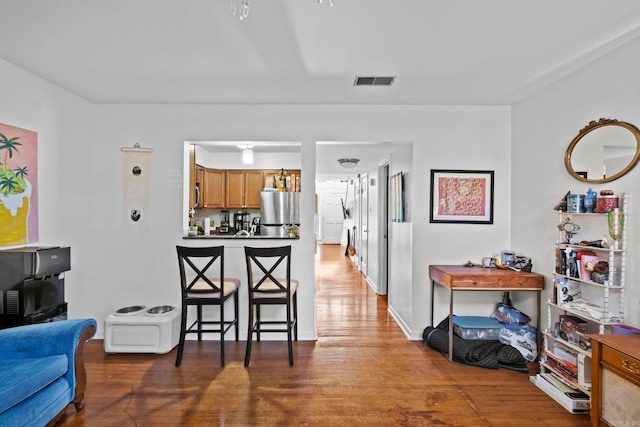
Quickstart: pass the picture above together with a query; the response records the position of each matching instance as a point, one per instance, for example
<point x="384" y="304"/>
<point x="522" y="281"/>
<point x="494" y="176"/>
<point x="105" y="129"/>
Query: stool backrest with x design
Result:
<point x="203" y="282"/>
<point x="269" y="282"/>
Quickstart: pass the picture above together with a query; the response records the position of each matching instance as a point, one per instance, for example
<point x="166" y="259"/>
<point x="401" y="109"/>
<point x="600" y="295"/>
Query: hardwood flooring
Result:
<point x="362" y="371"/>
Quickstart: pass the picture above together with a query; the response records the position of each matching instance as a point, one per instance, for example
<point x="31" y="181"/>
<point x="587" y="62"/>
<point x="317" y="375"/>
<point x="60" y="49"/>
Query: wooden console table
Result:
<point x="615" y="376"/>
<point x="461" y="278"/>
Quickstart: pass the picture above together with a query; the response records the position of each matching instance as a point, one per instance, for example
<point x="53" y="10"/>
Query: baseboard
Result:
<point x="371" y="284"/>
<point x="412" y="336"/>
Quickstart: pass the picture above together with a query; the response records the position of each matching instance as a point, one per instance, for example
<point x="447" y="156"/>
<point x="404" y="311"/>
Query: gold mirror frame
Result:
<point x="592" y="126"/>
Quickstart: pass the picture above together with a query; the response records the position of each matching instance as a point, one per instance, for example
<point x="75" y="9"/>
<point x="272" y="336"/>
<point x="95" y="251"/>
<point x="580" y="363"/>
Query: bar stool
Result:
<point x="267" y="286"/>
<point x="198" y="289"/>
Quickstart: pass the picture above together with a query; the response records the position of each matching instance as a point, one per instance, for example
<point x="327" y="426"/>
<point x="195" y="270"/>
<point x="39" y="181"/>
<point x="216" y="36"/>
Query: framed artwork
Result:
<point x="18" y="186"/>
<point x="461" y="196"/>
<point x="397" y="197"/>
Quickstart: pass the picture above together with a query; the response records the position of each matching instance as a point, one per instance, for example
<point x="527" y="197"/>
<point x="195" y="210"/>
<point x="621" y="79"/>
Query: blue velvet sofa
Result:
<point x="42" y="371"/>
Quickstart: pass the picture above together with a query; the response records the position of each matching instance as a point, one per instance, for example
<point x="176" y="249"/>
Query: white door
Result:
<point x="364" y="222"/>
<point x="356" y="232"/>
<point x="332" y="218"/>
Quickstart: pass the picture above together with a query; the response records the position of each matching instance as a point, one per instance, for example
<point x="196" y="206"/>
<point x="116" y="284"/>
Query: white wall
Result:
<point x="543" y="127"/>
<point x="81" y="186"/>
<point x="31" y="103"/>
<point x="470" y="138"/>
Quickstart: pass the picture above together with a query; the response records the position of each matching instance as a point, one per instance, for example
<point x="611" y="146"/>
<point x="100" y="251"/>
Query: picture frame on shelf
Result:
<point x="461" y="196"/>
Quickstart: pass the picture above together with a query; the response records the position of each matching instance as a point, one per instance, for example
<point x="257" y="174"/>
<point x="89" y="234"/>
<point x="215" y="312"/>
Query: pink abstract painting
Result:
<point x="18" y="186"/>
<point x="462" y="196"/>
<point x="459" y="196"/>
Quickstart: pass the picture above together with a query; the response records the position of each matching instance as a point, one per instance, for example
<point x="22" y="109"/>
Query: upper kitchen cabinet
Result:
<point x="243" y="188"/>
<point x="213" y="188"/>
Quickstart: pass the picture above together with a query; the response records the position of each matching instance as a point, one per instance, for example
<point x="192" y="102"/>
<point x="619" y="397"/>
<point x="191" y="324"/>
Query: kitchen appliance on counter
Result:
<point x="255" y="226"/>
<point x="278" y="210"/>
<point x="225" y="226"/>
<point x="241" y="221"/>
<point x="32" y="285"/>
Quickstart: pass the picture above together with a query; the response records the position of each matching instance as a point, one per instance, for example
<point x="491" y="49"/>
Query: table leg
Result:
<point x="450" y="324"/>
<point x="538" y="333"/>
<point x="433" y="285"/>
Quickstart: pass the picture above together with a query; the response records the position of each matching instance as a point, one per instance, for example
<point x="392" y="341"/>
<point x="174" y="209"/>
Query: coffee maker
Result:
<point x="241" y="221"/>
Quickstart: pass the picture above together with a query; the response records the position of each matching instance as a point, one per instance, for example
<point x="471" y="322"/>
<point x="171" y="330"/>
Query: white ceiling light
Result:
<point x="243" y="11"/>
<point x="247" y="154"/>
<point x="240" y="8"/>
<point x="348" y="163"/>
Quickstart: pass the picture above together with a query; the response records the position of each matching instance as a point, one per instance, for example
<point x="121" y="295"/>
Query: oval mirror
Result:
<point x="603" y="151"/>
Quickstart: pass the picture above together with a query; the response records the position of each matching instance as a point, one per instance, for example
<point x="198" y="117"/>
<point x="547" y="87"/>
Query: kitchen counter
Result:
<point x="234" y="237"/>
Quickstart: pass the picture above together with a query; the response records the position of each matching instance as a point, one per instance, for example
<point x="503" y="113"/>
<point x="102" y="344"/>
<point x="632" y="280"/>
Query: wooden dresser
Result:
<point x="615" y="380"/>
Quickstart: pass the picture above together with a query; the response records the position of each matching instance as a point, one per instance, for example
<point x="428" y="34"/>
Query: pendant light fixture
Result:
<point x="247" y="154"/>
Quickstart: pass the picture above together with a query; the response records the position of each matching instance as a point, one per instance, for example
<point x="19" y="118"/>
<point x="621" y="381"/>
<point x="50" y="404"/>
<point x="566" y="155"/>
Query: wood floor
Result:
<point x="362" y="371"/>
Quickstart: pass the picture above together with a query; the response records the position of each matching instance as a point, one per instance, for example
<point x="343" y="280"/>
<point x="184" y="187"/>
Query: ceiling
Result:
<point x="463" y="52"/>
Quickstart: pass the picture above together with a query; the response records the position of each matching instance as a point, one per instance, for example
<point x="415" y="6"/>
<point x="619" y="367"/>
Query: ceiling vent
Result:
<point x="374" y="81"/>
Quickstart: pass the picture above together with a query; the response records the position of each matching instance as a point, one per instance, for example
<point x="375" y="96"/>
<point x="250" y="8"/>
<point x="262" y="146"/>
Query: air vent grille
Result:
<point x="374" y="81"/>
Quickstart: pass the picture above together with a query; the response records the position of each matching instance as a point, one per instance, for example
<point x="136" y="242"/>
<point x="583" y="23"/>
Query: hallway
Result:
<point x="362" y="371"/>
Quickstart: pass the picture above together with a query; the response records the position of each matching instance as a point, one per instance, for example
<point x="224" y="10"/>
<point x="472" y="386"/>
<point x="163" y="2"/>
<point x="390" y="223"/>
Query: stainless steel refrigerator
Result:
<point x="278" y="210"/>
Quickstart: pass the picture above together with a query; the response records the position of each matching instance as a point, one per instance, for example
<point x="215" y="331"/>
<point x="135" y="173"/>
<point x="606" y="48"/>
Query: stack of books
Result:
<point x="572" y="399"/>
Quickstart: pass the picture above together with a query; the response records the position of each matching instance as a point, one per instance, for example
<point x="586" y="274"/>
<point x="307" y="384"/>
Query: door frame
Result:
<point x="384" y="228"/>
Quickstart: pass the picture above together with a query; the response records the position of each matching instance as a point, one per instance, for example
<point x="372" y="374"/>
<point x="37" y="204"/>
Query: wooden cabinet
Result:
<point x="254" y="186"/>
<point x="616" y="380"/>
<point x="227" y="189"/>
<point x="243" y="189"/>
<point x="212" y="188"/>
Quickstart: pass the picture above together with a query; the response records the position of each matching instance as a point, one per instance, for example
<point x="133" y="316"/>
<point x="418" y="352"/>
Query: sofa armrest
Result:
<point x="43" y="339"/>
<point x="47" y="339"/>
<point x="79" y="369"/>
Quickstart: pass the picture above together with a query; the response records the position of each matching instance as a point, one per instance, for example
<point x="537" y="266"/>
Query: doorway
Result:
<point x="383" y="287"/>
<point x="365" y="203"/>
<point x="331" y="217"/>
<point x="364" y="224"/>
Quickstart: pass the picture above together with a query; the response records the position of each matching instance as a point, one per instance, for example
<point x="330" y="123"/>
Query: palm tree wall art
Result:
<point x="18" y="186"/>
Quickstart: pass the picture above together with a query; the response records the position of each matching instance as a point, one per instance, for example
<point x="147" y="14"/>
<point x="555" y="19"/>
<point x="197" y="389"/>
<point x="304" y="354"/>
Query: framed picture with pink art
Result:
<point x="461" y="196"/>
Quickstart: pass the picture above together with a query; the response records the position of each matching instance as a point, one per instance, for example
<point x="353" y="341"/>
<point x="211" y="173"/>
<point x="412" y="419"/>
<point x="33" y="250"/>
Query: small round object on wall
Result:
<point x="136" y="214"/>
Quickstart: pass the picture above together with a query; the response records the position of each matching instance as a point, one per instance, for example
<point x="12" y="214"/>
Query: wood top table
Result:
<point x="462" y="278"/>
